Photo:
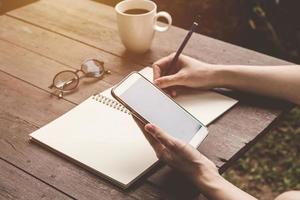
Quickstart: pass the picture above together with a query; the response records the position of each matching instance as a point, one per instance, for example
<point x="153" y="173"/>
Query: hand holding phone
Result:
<point x="151" y="105"/>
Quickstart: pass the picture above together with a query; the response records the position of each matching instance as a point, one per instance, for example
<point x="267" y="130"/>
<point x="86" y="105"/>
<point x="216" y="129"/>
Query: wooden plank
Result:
<point x="49" y="108"/>
<point x="39" y="71"/>
<point x="29" y="103"/>
<point x="95" y="24"/>
<point x="59" y="48"/>
<point x="16" y="184"/>
<point x="54" y="57"/>
<point x="10" y="5"/>
<point x="15" y="125"/>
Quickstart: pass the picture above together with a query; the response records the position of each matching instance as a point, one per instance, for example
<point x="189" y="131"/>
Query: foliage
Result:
<point x="273" y="164"/>
<point x="275" y="25"/>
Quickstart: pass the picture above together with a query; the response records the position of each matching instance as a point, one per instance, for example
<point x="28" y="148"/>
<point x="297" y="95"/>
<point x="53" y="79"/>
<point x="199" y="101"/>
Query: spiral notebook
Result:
<point x="100" y="134"/>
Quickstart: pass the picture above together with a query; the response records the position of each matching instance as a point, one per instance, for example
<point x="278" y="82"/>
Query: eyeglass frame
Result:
<point x="61" y="91"/>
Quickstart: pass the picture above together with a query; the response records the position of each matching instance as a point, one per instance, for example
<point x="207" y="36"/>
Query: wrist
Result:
<point x="214" y="186"/>
<point x="211" y="183"/>
<point x="224" y="76"/>
<point x="207" y="176"/>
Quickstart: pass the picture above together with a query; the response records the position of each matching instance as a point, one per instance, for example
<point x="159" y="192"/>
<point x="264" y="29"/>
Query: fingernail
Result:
<point x="156" y="82"/>
<point x="173" y="93"/>
<point x="149" y="128"/>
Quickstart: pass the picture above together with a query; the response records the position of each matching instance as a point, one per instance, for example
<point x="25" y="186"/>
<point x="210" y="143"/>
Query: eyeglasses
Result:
<point x="67" y="81"/>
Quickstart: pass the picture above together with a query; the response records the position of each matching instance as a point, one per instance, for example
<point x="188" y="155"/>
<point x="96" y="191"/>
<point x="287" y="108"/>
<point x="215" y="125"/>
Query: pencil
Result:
<point x="183" y="44"/>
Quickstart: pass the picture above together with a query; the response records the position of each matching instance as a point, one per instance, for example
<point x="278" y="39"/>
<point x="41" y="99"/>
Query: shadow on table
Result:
<point x="257" y="100"/>
<point x="8" y="5"/>
<point x="168" y="183"/>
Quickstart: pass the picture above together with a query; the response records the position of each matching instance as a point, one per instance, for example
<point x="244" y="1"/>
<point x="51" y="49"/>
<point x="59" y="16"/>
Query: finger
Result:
<point x="164" y="155"/>
<point x="158" y="148"/>
<point x="167" y="81"/>
<point x="156" y="72"/>
<point x="165" y="139"/>
<point x="164" y="62"/>
<point x="173" y="93"/>
<point x="161" y="151"/>
<point x="148" y="136"/>
<point x="139" y="122"/>
<point x="156" y="145"/>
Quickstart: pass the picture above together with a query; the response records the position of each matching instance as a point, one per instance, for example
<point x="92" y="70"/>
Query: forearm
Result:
<point x="275" y="81"/>
<point x="215" y="187"/>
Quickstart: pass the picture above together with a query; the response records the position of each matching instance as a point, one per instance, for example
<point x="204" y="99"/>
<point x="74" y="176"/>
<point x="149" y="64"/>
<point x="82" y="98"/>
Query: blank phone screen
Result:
<point x="157" y="108"/>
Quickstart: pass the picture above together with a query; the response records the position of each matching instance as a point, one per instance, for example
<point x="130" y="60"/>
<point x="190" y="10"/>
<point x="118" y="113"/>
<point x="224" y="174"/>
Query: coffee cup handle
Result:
<point x="165" y="15"/>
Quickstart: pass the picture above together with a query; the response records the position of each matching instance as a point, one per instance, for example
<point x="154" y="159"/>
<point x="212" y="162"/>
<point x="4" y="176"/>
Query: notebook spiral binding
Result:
<point x="111" y="103"/>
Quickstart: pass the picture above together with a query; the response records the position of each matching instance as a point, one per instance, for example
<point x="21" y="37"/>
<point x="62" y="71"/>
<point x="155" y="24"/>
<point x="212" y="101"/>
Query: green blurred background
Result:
<point x="268" y="26"/>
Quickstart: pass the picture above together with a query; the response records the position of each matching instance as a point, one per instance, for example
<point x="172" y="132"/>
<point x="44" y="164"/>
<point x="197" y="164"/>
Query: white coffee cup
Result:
<point x="137" y="30"/>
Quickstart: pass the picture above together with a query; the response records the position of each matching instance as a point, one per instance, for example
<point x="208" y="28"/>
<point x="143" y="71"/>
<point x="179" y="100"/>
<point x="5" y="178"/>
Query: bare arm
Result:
<point x="275" y="81"/>
<point x="218" y="188"/>
<point x="193" y="164"/>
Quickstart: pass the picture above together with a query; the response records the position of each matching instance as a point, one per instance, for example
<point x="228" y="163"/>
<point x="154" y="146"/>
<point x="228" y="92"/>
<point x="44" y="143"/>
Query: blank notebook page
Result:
<point x="102" y="138"/>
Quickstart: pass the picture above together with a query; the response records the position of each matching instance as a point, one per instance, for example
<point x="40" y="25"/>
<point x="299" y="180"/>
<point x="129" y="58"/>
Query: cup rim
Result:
<point x="131" y="15"/>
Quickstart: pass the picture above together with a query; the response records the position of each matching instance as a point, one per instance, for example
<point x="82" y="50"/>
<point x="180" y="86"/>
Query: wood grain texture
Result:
<point x="16" y="184"/>
<point x="61" y="49"/>
<point x="39" y="71"/>
<point x="24" y="101"/>
<point x="15" y="126"/>
<point x="95" y="24"/>
<point x="5" y="6"/>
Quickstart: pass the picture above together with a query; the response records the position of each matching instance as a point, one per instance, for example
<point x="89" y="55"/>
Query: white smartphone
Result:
<point x="151" y="105"/>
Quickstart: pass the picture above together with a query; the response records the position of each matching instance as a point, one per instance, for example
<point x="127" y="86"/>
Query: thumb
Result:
<point x="165" y="139"/>
<point x="167" y="81"/>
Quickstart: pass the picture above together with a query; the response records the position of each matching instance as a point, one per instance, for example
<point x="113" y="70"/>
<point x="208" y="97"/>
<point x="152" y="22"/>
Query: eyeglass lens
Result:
<point x="93" y="68"/>
<point x="66" y="80"/>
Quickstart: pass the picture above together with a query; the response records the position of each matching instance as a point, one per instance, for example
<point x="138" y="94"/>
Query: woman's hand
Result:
<point x="178" y="154"/>
<point x="274" y="81"/>
<point x="192" y="163"/>
<point x="187" y="72"/>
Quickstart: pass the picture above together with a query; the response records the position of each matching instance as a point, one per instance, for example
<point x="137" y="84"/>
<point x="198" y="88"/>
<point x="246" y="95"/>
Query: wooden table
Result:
<point x="43" y="38"/>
